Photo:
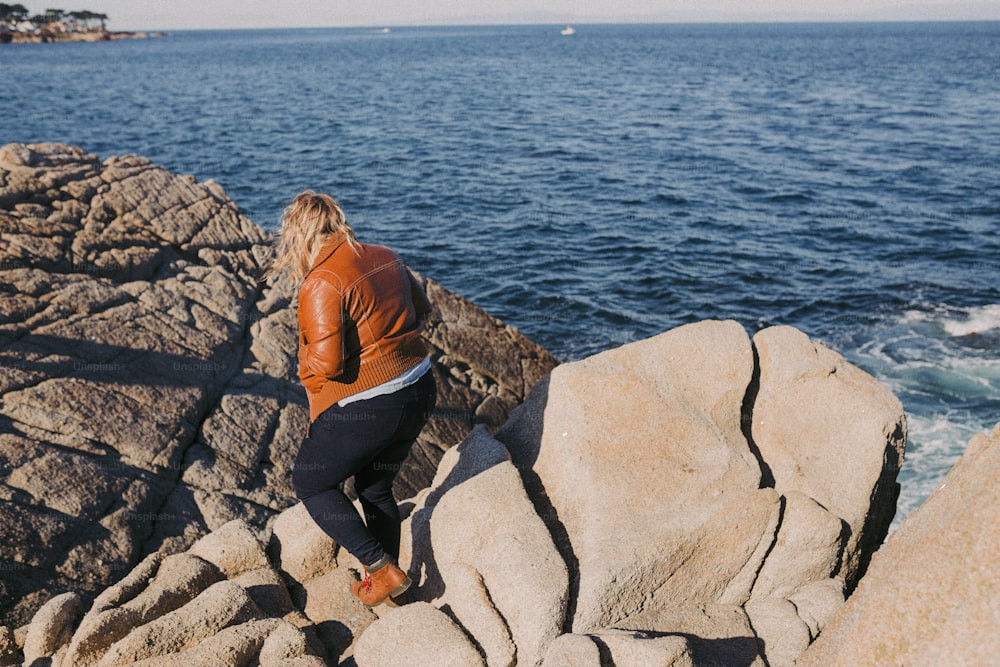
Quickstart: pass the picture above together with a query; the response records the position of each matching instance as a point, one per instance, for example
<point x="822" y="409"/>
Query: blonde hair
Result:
<point x="305" y="225"/>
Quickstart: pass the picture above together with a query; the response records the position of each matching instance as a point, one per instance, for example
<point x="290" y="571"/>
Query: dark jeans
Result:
<point x="368" y="439"/>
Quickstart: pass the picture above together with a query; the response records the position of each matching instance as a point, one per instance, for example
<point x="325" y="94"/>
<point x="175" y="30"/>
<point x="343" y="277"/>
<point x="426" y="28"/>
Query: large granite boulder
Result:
<point x="648" y="467"/>
<point x="932" y="594"/>
<point x="636" y="448"/>
<point x="148" y="392"/>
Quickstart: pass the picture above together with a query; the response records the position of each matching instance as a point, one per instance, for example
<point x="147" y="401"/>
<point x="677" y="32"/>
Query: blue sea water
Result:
<point x="597" y="189"/>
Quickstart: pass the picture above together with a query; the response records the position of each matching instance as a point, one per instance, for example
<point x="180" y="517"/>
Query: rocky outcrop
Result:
<point x="654" y="470"/>
<point x="813" y="412"/>
<point x="931" y="594"/>
<point x="148" y="392"/>
<point x="90" y="36"/>
<point x="628" y="513"/>
<point x="695" y="498"/>
<point x="220" y="603"/>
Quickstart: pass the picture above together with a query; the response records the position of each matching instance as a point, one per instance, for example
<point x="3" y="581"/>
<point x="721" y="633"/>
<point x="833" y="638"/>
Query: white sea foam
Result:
<point x="943" y="365"/>
<point x="957" y="321"/>
<point x="977" y="321"/>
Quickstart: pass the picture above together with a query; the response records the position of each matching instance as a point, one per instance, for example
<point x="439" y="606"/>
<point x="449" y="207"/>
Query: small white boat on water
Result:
<point x="568" y="30"/>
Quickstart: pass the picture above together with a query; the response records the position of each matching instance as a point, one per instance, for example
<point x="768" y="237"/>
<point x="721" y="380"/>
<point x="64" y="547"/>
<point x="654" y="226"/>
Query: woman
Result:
<point x="365" y="370"/>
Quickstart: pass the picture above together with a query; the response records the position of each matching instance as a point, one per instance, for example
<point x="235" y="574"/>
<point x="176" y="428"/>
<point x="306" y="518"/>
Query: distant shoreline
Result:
<point x="49" y="38"/>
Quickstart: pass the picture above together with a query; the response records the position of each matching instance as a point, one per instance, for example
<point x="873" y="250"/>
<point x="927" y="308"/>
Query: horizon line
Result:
<point x="596" y="22"/>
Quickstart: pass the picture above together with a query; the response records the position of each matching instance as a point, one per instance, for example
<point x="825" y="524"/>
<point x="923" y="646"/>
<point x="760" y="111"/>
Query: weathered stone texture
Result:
<point x="653" y="466"/>
<point x="814" y="412"/>
<point x="149" y="389"/>
<point x="931" y="595"/>
<point x="695" y="498"/>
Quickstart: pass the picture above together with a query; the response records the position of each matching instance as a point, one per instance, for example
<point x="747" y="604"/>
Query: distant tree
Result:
<point x="54" y="15"/>
<point x="83" y="19"/>
<point x="13" y="13"/>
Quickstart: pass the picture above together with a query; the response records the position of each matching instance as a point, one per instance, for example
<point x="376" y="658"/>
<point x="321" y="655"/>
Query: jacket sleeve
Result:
<point x="421" y="304"/>
<point x="321" y="341"/>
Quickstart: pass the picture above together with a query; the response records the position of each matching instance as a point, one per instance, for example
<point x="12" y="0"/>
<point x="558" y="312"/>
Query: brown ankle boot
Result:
<point x="387" y="581"/>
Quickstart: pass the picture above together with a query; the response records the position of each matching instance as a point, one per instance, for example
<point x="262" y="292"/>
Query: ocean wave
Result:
<point x="939" y="361"/>
<point x="973" y="327"/>
<point x="976" y="321"/>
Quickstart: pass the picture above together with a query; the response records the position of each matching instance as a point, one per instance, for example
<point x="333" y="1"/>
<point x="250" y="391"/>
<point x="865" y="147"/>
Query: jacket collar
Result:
<point x="329" y="247"/>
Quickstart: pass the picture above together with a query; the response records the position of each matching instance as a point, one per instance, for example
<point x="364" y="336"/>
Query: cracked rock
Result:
<point x="149" y="389"/>
<point x="477" y="547"/>
<point x="693" y="498"/>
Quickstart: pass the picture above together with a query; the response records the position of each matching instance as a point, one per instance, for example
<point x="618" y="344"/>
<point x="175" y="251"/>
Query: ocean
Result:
<point x="600" y="188"/>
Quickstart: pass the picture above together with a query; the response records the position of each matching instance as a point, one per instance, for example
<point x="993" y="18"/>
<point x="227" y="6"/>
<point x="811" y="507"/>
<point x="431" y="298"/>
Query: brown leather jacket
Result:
<point x="360" y="318"/>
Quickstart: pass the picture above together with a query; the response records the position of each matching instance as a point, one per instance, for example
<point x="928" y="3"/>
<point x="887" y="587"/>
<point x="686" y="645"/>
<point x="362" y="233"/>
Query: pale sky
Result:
<point x="198" y="14"/>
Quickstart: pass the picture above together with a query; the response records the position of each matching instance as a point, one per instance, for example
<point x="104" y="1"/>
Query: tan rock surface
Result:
<point x="480" y="551"/>
<point x="807" y="548"/>
<point x="339" y="617"/>
<point x="621" y="648"/>
<point x="932" y="594"/>
<point x="298" y="546"/>
<point x="416" y="633"/>
<point x="219" y="606"/>
<point x="717" y="634"/>
<point x="181" y="610"/>
<point x="831" y="431"/>
<point x="51" y="628"/>
<point x="782" y="633"/>
<point x="634" y="449"/>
